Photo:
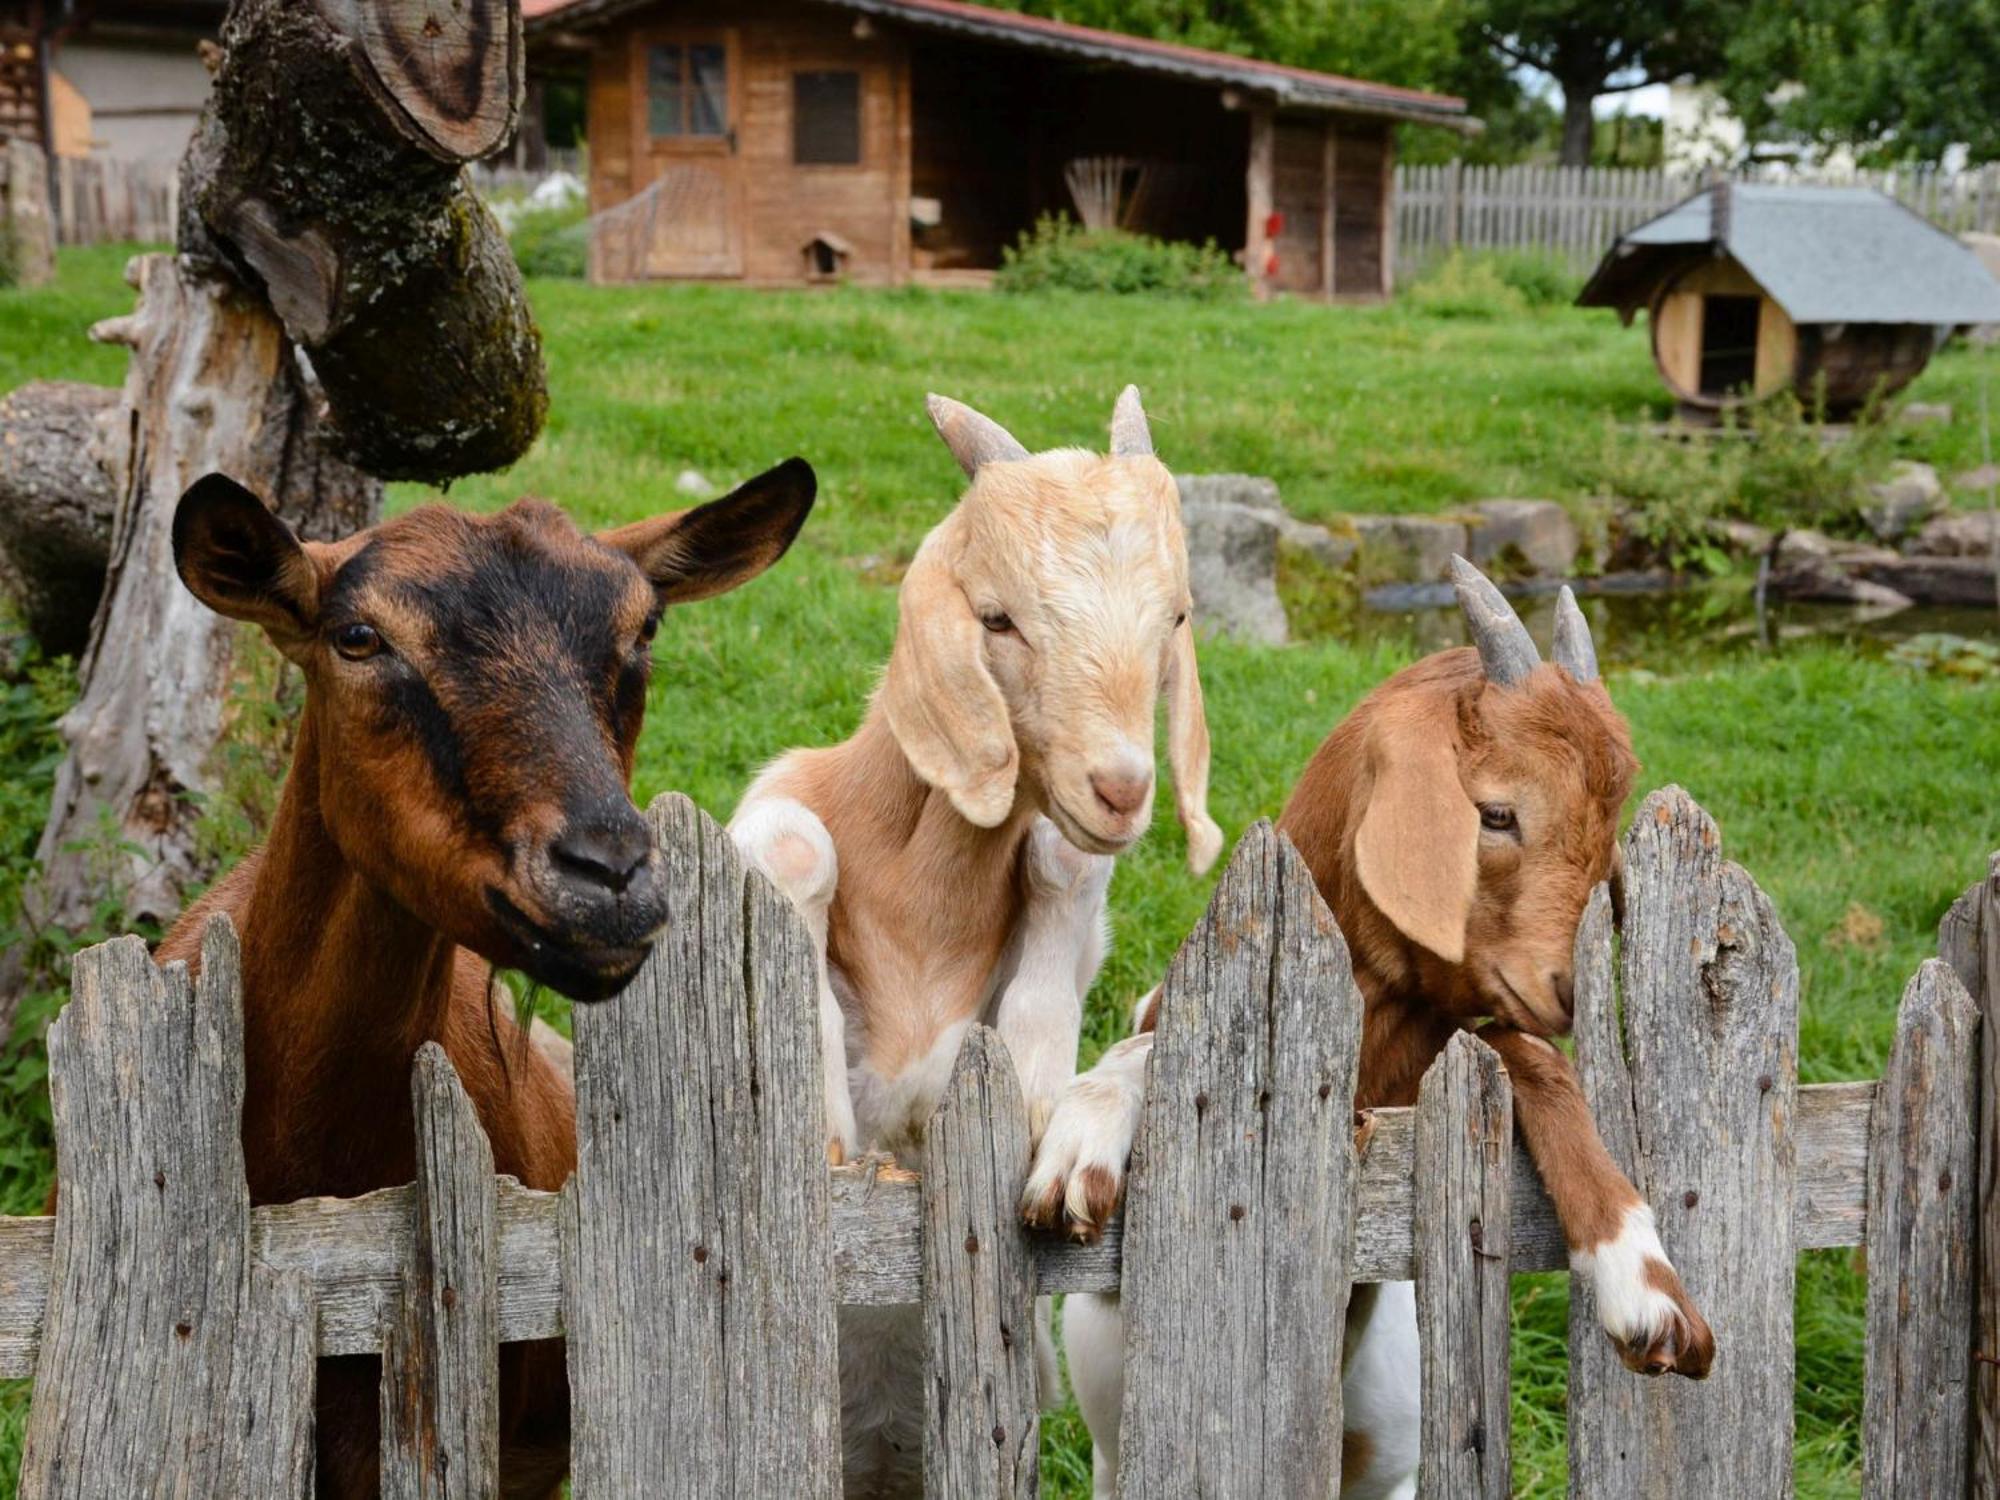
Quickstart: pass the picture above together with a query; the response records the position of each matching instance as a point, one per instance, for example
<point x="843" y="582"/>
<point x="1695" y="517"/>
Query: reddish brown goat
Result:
<point x="457" y="801"/>
<point x="1456" y="823"/>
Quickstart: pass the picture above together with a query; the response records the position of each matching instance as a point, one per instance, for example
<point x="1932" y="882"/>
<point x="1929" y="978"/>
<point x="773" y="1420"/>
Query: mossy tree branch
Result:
<point x="328" y="171"/>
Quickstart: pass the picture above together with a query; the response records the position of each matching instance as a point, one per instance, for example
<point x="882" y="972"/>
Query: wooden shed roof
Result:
<point x="1294" y="88"/>
<point x="1825" y="255"/>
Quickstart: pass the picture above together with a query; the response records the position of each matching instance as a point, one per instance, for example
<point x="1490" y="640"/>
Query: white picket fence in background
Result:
<point x="1576" y="212"/>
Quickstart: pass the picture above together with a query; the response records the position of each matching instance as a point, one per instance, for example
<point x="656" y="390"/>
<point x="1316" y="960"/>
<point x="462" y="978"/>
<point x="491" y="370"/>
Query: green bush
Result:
<point x="1775" y="464"/>
<point x="1059" y="253"/>
<point x="1492" y="284"/>
<point x="551" y="241"/>
<point x="1542" y="279"/>
<point x="1465" y="286"/>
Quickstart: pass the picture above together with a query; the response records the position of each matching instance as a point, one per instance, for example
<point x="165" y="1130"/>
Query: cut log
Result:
<point x="212" y="385"/>
<point x="27" y="228"/>
<point x="56" y="506"/>
<point x="328" y="170"/>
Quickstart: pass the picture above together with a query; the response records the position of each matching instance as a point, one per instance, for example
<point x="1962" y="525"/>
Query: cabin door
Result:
<point x="686" y="88"/>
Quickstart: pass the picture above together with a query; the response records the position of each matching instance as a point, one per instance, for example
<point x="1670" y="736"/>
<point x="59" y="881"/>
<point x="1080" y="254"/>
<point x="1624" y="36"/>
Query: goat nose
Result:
<point x="606" y="853"/>
<point x="1121" y="793"/>
<point x="1565" y="989"/>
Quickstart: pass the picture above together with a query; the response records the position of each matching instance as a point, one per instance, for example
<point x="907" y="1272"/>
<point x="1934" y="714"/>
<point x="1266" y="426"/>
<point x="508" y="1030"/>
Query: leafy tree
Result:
<point x="1415" y="43"/>
<point x="1594" y="47"/>
<point x="1896" y="80"/>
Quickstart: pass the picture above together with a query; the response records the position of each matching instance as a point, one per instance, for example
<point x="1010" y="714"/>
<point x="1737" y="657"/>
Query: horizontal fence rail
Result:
<point x="1573" y="214"/>
<point x="694" y="1262"/>
<point x="355" y="1251"/>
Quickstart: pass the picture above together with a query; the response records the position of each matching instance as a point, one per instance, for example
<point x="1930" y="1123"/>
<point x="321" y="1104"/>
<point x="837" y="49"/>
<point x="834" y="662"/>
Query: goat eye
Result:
<point x="650" y="628"/>
<point x="1497" y="816"/>
<point x="997" y="621"/>
<point x="357" y="642"/>
<point x="1180" y="619"/>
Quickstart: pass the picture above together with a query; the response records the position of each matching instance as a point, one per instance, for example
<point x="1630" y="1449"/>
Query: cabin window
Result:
<point x="687" y="89"/>
<point x="826" y="119"/>
<point x="1728" y="344"/>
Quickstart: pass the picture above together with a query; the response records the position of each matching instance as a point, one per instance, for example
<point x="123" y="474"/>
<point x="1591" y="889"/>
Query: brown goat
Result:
<point x="1456" y="823"/>
<point x="457" y="802"/>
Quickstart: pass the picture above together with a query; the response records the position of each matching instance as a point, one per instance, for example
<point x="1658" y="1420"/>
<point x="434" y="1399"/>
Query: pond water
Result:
<point x="1674" y="629"/>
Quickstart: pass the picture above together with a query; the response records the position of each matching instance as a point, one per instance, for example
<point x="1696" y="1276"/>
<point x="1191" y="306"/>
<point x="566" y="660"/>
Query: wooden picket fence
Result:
<point x="694" y="1262"/>
<point x="1574" y="213"/>
<point x="99" y="200"/>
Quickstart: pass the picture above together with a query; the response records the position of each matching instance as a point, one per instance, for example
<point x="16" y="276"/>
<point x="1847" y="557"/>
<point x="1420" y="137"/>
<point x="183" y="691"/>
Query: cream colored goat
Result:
<point x="951" y="858"/>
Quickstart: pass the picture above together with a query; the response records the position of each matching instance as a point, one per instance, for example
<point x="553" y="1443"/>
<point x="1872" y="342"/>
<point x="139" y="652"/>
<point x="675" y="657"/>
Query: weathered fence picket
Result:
<point x="1969" y="940"/>
<point x="695" y="1261"/>
<point x="1922" y="1183"/>
<point x="1239" y="1220"/>
<point x="695" y="1230"/>
<point x="172" y="1361"/>
<point x="1702" y="1094"/>
<point x="441" y="1338"/>
<point x="1465" y="1173"/>
<point x="982" y="1424"/>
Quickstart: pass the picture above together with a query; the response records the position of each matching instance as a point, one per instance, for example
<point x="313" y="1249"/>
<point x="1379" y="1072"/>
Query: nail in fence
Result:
<point x="695" y="1260"/>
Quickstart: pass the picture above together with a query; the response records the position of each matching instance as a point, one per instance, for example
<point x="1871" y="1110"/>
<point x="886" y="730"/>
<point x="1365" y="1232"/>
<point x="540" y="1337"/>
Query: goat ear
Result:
<point x="1417" y="850"/>
<point x="711" y="549"/>
<point x="1187" y="750"/>
<point x="243" y="562"/>
<point x="943" y="706"/>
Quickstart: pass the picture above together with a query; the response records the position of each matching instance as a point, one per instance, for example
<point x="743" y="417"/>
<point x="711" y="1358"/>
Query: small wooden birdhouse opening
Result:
<point x="826" y="257"/>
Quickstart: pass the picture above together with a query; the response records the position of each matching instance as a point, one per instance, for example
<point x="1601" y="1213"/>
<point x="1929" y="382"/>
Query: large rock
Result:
<point x="1516" y="537"/>
<point x="1823" y="581"/>
<point x="1416" y="549"/>
<point x="1904" y="501"/>
<point x="1331" y="549"/>
<point x="1958" y="533"/>
<point x="1744" y="538"/>
<point x="1233" y="568"/>
<point x="1938" y="580"/>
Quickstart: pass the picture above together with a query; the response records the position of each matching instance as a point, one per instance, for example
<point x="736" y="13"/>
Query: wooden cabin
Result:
<point x="788" y="142"/>
<point x="1839" y="294"/>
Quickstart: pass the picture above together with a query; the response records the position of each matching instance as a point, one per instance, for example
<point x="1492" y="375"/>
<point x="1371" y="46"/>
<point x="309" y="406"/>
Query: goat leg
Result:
<point x="1057" y="947"/>
<point x="785" y="839"/>
<point x="1608" y="1227"/>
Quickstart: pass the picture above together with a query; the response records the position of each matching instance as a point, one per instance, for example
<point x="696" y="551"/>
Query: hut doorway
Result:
<point x="1728" y="344"/>
<point x="685" y="91"/>
<point x="1718" y="338"/>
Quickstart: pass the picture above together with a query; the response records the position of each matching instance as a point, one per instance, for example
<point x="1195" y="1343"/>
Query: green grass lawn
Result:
<point x="1859" y="795"/>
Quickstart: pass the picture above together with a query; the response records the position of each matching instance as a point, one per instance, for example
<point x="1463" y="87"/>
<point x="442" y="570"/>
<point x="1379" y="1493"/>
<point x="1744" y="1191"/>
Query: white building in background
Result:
<point x="1701" y="133"/>
<point x="1698" y="130"/>
<point x="125" y="97"/>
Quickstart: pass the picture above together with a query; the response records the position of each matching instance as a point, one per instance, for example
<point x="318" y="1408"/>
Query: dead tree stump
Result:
<point x="212" y="386"/>
<point x="56" y="505"/>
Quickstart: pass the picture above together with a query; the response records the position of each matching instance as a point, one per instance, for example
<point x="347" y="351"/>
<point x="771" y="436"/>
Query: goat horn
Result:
<point x="975" y="441"/>
<point x="1506" y="650"/>
<point x="1130" y="435"/>
<point x="1574" y="651"/>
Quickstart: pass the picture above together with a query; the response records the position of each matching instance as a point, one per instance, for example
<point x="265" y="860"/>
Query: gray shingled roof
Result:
<point x="1825" y="255"/>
